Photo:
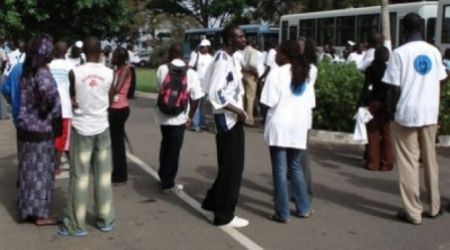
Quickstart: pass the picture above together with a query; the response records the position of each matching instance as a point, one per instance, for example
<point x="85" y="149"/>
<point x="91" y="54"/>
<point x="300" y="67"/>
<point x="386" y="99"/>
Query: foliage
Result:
<point x="146" y="80"/>
<point x="337" y="93"/>
<point x="444" y="113"/>
<point x="64" y="19"/>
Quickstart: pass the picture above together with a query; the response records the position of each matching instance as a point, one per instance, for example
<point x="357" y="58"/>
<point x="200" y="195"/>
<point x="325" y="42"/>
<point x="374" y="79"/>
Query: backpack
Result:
<point x="173" y="96"/>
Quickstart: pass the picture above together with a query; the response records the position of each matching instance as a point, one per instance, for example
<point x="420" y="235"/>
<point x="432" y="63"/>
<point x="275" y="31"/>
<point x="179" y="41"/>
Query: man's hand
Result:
<point x="188" y="122"/>
<point x="241" y="115"/>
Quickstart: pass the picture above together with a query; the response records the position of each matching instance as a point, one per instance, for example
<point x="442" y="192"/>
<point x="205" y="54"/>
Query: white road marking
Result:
<point x="232" y="232"/>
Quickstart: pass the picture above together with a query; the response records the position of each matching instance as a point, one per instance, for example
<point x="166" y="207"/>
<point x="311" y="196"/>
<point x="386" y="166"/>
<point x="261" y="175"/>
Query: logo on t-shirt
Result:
<point x="422" y="64"/>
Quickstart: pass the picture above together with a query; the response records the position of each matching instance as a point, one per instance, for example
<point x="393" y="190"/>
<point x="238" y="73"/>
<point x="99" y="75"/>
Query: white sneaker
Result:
<point x="237" y="222"/>
<point x="176" y="188"/>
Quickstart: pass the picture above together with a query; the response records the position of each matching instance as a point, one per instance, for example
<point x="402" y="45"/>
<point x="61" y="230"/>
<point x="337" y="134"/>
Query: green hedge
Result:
<point x="444" y="113"/>
<point x="337" y="92"/>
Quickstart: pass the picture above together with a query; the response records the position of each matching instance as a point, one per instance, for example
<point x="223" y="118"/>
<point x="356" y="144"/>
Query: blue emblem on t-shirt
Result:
<point x="422" y="64"/>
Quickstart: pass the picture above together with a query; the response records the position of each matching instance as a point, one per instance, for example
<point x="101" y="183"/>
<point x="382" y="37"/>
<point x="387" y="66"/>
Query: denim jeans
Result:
<point x="286" y="164"/>
<point x="198" y="121"/>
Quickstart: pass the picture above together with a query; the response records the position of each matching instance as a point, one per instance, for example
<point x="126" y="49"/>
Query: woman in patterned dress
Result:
<point x="40" y="109"/>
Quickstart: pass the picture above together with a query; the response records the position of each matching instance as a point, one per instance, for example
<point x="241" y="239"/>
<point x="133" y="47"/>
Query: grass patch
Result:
<point x="146" y="80"/>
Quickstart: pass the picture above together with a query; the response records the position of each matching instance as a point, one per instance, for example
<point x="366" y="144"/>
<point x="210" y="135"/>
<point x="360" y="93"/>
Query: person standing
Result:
<point x="379" y="155"/>
<point x="200" y="63"/>
<point x="39" y="112"/>
<point x="90" y="90"/>
<point x="175" y="77"/>
<point x="286" y="128"/>
<point x="119" y="112"/>
<point x="357" y="56"/>
<point x="415" y="70"/>
<point x="250" y="80"/>
<point x="60" y="68"/>
<point x="375" y="41"/>
<point x="225" y="92"/>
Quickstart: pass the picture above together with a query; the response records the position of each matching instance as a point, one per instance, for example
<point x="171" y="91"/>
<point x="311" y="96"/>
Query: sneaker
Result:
<point x="63" y="232"/>
<point x="175" y="188"/>
<point x="106" y="228"/>
<point x="237" y="222"/>
<point x="306" y="215"/>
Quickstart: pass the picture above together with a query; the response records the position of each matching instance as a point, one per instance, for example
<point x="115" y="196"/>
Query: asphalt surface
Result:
<point x="354" y="208"/>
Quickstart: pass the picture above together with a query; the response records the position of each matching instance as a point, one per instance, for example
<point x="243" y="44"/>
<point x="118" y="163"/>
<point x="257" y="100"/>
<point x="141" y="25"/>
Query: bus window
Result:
<point x="393" y="24"/>
<point x="308" y="28"/>
<point x="326" y="34"/>
<point x="367" y="25"/>
<point x="402" y="39"/>
<point x="293" y="31"/>
<point x="431" y="30"/>
<point x="446" y="25"/>
<point x="284" y="31"/>
<point x="345" y="30"/>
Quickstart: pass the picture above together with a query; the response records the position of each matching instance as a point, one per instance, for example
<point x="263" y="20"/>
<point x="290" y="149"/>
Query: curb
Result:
<point x="314" y="134"/>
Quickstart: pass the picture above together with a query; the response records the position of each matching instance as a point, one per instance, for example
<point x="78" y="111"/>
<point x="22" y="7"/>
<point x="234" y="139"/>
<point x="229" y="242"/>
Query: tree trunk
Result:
<point x="385" y="23"/>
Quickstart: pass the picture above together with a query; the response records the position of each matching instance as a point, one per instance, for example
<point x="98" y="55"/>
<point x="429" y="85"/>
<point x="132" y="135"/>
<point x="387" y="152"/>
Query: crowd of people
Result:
<point x="74" y="103"/>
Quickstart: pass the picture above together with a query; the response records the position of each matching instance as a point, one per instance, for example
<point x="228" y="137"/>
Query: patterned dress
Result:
<point x="39" y="105"/>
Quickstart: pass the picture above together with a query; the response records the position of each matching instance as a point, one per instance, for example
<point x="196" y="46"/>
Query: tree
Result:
<point x="208" y="13"/>
<point x="385" y="24"/>
<point x="63" y="19"/>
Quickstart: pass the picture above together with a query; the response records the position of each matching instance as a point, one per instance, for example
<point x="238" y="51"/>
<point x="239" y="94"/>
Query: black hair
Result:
<point x="91" y="45"/>
<point x="122" y="54"/>
<point x="228" y="32"/>
<point x="412" y="22"/>
<point x="447" y="54"/>
<point x="175" y="51"/>
<point x="299" y="65"/>
<point x="310" y="50"/>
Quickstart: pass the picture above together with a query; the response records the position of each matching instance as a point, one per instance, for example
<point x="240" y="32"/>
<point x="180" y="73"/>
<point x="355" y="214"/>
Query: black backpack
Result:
<point x="173" y="96"/>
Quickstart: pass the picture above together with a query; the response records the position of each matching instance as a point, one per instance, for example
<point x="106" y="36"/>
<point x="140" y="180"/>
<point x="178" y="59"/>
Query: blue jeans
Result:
<point x="198" y="121"/>
<point x="286" y="164"/>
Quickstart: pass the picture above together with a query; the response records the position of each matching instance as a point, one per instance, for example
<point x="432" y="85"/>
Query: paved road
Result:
<point x="354" y="208"/>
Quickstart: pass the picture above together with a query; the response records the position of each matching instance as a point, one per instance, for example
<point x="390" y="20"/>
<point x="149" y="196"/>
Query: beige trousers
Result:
<point x="250" y="85"/>
<point x="410" y="145"/>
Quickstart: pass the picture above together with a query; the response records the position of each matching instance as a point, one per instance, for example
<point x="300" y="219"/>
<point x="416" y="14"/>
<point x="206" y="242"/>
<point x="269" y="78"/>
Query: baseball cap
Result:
<point x="205" y="43"/>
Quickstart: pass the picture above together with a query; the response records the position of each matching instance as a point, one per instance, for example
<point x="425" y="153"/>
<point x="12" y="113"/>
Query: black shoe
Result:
<point x="429" y="216"/>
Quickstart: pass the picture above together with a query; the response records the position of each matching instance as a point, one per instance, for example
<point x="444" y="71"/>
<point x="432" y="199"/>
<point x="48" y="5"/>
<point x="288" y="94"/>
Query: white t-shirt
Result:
<point x="60" y="69"/>
<point x="417" y="69"/>
<point x="13" y="58"/>
<point x="204" y="60"/>
<point x="357" y="59"/>
<point x="223" y="83"/>
<point x="194" y="88"/>
<point x="92" y="84"/>
<point x="270" y="60"/>
<point x="368" y="58"/>
<point x="288" y="117"/>
<point x="310" y="91"/>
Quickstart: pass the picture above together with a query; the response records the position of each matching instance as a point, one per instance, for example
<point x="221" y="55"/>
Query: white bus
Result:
<point x="336" y="27"/>
<point x="443" y="25"/>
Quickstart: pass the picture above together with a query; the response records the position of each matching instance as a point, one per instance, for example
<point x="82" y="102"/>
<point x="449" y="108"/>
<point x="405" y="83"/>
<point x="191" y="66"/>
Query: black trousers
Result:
<point x="223" y="196"/>
<point x="132" y="90"/>
<point x="169" y="154"/>
<point x="117" y="119"/>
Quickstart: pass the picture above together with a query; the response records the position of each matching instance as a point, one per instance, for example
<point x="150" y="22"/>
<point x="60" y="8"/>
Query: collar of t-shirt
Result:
<point x="178" y="62"/>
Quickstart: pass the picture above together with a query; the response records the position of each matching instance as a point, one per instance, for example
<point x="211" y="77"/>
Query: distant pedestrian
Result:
<point x="286" y="129"/>
<point x="200" y="63"/>
<point x="179" y="95"/>
<point x="357" y="56"/>
<point x="415" y="71"/>
<point x="376" y="41"/>
<point x="76" y="55"/>
<point x="119" y="112"/>
<point x="225" y="92"/>
<point x="60" y="68"/>
<point x="250" y="72"/>
<point x="379" y="149"/>
<point x="90" y="89"/>
<point x="39" y="113"/>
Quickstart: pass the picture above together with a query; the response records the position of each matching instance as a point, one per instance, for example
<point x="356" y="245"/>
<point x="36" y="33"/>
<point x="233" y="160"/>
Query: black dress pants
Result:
<point x="169" y="154"/>
<point x="117" y="119"/>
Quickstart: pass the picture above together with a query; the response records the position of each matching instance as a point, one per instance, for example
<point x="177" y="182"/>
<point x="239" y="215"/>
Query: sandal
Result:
<point x="40" y="222"/>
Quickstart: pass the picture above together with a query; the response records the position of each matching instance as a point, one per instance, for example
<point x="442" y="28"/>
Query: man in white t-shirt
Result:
<point x="60" y="68"/>
<point x="225" y="91"/>
<point x="90" y="90"/>
<point x="357" y="56"/>
<point x="200" y="62"/>
<point x="376" y="40"/>
<point x="173" y="126"/>
<point x="415" y="70"/>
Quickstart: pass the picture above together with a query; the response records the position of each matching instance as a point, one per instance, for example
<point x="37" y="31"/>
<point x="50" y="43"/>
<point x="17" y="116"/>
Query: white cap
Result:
<point x="205" y="43"/>
<point x="351" y="43"/>
<point x="79" y="44"/>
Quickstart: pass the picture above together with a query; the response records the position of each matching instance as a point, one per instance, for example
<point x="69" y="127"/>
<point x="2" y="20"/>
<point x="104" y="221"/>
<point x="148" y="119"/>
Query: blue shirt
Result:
<point x="11" y="89"/>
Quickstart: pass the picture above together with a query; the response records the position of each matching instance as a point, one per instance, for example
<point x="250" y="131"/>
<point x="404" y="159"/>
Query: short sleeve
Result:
<point x="195" y="90"/>
<point x="270" y="94"/>
<point x="392" y="75"/>
<point x="161" y="74"/>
